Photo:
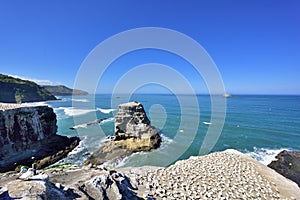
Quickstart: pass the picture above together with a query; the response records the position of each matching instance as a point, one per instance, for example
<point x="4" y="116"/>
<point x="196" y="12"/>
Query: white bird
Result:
<point x="28" y="174"/>
<point x="23" y="170"/>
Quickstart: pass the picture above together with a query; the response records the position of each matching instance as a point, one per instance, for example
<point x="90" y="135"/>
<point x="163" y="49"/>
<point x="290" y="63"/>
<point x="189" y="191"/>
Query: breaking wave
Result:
<point x="106" y="111"/>
<point x="265" y="155"/>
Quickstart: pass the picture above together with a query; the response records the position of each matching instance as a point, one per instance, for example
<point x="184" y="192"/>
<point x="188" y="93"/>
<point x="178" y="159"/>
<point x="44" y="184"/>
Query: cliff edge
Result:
<point x="28" y="134"/>
<point x="133" y="133"/>
<point x="221" y="175"/>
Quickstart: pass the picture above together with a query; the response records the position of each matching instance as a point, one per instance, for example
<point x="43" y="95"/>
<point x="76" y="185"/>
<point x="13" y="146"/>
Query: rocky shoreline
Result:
<point x="288" y="165"/>
<point x="221" y="175"/>
<point x="28" y="135"/>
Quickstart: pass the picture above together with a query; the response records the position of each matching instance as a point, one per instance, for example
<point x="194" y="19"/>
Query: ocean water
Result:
<point x="260" y="126"/>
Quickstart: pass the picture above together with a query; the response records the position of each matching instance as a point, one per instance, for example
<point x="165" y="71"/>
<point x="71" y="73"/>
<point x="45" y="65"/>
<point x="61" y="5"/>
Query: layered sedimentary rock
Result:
<point x="28" y="134"/>
<point x="133" y="133"/>
<point x="288" y="165"/>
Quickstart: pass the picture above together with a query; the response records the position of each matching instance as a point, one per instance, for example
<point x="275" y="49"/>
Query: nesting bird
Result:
<point x="23" y="170"/>
<point x="29" y="173"/>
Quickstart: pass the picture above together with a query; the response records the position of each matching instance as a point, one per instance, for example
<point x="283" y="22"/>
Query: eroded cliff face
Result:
<point x="27" y="135"/>
<point x="21" y="127"/>
<point x="133" y="133"/>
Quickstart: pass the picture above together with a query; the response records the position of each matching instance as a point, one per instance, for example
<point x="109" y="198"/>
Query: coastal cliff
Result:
<point x="133" y="133"/>
<point x="28" y="134"/>
<point x="15" y="90"/>
<point x="61" y="90"/>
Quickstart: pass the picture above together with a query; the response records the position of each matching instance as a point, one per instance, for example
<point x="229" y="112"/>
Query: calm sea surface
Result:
<point x="260" y="126"/>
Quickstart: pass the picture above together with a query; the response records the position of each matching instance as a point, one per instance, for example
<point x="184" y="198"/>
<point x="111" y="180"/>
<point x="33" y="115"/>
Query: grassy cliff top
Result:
<point x="16" y="90"/>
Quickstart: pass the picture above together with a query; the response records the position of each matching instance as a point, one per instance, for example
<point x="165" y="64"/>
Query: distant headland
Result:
<point x="16" y="90"/>
<point x="61" y="90"/>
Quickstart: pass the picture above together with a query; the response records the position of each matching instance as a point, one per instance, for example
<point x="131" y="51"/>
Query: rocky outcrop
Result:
<point x="288" y="165"/>
<point x="15" y="90"/>
<point x="133" y="133"/>
<point x="38" y="187"/>
<point x="221" y="175"/>
<point x="28" y="134"/>
<point x="110" y="185"/>
<point x="61" y="90"/>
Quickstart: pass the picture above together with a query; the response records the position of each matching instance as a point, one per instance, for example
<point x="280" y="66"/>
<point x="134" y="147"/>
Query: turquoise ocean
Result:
<point x="258" y="125"/>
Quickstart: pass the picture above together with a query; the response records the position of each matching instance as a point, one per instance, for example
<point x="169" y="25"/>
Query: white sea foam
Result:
<point x="265" y="155"/>
<point x="165" y="140"/>
<point x="124" y="161"/>
<point x="107" y="120"/>
<point x="80" y="126"/>
<point x="71" y="111"/>
<point x="77" y="156"/>
<point x="106" y="111"/>
<point x="93" y="123"/>
<point x="79" y="148"/>
<point x="207" y="123"/>
<point x="80" y="100"/>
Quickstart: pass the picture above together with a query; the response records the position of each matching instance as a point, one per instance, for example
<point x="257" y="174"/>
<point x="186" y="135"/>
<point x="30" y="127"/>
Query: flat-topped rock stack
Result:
<point x="133" y="133"/>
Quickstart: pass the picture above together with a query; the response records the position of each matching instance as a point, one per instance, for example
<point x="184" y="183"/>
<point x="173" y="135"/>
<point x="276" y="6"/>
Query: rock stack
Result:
<point x="133" y="133"/>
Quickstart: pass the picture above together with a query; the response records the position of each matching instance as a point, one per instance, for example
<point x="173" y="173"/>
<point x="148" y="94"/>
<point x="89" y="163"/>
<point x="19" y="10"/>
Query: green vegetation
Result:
<point x="59" y="166"/>
<point x="61" y="90"/>
<point x="15" y="90"/>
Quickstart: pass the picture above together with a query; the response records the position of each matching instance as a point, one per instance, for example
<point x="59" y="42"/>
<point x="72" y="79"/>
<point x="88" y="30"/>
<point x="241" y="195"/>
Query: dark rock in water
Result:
<point x="288" y="165"/>
<point x="96" y="122"/>
<point x="133" y="133"/>
<point x="28" y="134"/>
<point x="15" y="90"/>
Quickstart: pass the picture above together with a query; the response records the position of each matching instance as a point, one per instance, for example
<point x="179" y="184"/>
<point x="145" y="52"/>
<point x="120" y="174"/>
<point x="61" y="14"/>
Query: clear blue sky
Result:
<point x="254" y="43"/>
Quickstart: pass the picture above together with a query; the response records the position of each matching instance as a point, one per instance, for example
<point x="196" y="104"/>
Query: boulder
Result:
<point x="288" y="165"/>
<point x="110" y="185"/>
<point x="133" y="133"/>
<point x="37" y="187"/>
